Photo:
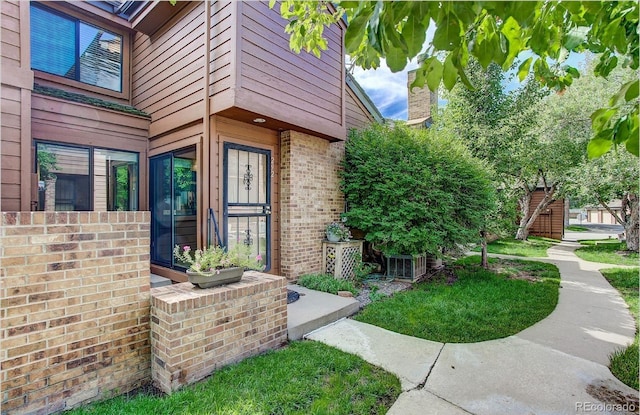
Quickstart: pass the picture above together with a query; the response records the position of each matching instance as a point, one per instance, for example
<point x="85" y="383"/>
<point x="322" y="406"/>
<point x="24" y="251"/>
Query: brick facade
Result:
<point x="310" y="198"/>
<point x="422" y="103"/>
<point x="74" y="309"/>
<point x="196" y="331"/>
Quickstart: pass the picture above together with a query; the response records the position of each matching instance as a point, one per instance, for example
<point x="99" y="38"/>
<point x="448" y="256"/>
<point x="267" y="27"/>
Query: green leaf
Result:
<point x="632" y="91"/>
<point x="627" y="92"/>
<point x="447" y="35"/>
<point x="513" y="33"/>
<point x="355" y="33"/>
<point x="414" y="32"/>
<point x="601" y="117"/>
<point x="576" y="37"/>
<point x="523" y="69"/>
<point x="598" y="146"/>
<point x="449" y="73"/>
<point x="633" y="143"/>
<point x="434" y="73"/>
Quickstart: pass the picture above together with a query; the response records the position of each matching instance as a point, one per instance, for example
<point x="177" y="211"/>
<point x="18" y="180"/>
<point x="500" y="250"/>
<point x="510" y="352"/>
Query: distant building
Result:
<point x="422" y="104"/>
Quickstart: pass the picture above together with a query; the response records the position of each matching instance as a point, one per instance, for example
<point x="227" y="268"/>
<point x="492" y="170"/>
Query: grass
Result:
<point x="576" y="228"/>
<point x="533" y="247"/>
<point x="303" y="378"/>
<point x="471" y="304"/>
<point x="608" y="251"/>
<point x="624" y="362"/>
<point x="327" y="283"/>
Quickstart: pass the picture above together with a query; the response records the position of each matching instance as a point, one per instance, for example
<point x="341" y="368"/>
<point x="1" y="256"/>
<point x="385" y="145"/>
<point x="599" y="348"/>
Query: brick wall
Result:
<point x="310" y="198"/>
<point x="74" y="307"/>
<point x="196" y="331"/>
<point x="422" y="103"/>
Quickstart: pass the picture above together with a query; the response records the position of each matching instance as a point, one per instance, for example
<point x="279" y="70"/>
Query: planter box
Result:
<point x="339" y="258"/>
<point x="226" y="276"/>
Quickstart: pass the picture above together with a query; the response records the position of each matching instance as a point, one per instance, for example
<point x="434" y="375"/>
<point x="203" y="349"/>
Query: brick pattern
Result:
<point x="422" y="103"/>
<point x="74" y="307"/>
<point x="310" y="198"/>
<point x="196" y="331"/>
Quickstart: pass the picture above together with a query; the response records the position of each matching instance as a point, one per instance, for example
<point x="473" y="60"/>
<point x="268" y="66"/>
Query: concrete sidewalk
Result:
<point x="557" y="366"/>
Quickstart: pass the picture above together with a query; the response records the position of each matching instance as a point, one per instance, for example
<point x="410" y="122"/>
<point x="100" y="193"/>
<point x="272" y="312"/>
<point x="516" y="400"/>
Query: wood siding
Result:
<point x="15" y="93"/>
<point x="65" y="122"/>
<point x="168" y="71"/>
<point x="254" y="70"/>
<point x="357" y="115"/>
<point x="550" y="223"/>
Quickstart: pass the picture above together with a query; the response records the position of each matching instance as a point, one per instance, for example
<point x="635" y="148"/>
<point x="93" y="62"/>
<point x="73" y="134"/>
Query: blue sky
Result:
<point x="389" y="90"/>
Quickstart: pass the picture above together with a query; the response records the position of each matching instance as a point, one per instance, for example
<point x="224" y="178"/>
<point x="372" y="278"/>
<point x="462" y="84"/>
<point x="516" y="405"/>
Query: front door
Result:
<point x="247" y="199"/>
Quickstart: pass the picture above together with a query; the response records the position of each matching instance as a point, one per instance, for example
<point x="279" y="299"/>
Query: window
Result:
<point x="65" y="46"/>
<point x="81" y="178"/>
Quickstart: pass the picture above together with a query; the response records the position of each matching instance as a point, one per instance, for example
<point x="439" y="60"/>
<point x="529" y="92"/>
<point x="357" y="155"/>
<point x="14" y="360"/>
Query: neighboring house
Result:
<point x="421" y="104"/>
<point x="198" y="112"/>
<point x="599" y="214"/>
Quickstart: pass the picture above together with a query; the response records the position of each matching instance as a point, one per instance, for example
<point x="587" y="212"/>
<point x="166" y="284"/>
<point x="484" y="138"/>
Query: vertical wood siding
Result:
<point x="550" y="223"/>
<point x="357" y="115"/>
<point x="167" y="73"/>
<point x="78" y="124"/>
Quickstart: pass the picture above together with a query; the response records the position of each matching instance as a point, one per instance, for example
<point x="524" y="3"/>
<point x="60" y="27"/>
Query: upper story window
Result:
<point x="65" y="46"/>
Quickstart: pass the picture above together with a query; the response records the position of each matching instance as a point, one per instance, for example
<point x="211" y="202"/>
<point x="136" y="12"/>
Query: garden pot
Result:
<point x="332" y="237"/>
<point x="214" y="279"/>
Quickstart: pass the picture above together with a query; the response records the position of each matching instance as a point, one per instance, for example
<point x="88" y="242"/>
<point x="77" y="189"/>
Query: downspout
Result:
<point x="206" y="127"/>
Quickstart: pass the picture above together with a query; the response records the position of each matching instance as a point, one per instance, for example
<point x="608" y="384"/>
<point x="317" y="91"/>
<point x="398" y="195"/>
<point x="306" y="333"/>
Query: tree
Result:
<point x="491" y="32"/>
<point x="413" y="192"/>
<point x="600" y="181"/>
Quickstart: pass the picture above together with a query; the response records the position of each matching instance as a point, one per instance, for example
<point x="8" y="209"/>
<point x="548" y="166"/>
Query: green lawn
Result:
<point x="576" y="228"/>
<point x="624" y="363"/>
<point x="533" y="247"/>
<point x="303" y="378"/>
<point x="608" y="251"/>
<point x="471" y="304"/>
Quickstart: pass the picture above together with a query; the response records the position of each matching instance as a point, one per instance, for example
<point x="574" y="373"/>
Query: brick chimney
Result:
<point x="422" y="103"/>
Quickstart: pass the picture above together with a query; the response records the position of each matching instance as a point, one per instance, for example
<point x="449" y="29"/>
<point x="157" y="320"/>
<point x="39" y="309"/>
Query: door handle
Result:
<point x="266" y="209"/>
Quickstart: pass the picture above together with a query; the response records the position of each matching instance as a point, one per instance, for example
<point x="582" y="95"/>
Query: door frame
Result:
<point x="229" y="145"/>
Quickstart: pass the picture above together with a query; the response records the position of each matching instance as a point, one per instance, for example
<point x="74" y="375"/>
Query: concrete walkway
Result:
<point x="557" y="366"/>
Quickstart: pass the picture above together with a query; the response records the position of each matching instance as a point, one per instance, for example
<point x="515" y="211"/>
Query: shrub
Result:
<point x="326" y="283"/>
<point x="413" y="192"/>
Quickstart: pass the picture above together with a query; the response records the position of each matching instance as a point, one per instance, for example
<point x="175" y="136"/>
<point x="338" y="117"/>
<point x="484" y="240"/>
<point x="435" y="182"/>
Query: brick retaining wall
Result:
<point x="196" y="331"/>
<point x="74" y="307"/>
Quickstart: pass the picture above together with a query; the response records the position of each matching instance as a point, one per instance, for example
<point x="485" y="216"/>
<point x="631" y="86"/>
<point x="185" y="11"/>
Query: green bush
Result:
<point x="411" y="191"/>
<point x="326" y="283"/>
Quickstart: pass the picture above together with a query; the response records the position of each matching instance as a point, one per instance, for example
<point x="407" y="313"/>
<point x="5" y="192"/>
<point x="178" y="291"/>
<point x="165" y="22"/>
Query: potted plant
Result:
<point x="337" y="232"/>
<point x="215" y="265"/>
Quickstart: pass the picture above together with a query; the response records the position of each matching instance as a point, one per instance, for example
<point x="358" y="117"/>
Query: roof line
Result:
<point x="364" y="98"/>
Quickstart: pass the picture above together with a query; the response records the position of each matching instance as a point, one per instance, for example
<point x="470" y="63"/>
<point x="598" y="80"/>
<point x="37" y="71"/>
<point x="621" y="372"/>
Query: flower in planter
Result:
<point x="337" y="232"/>
<point x="215" y="258"/>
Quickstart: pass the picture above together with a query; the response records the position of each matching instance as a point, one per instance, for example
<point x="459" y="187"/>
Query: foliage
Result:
<point x="411" y="192"/>
<point x="303" y="378"/>
<point x="624" y="363"/>
<point x="532" y="247"/>
<point x="327" y="283"/>
<point x="490" y="32"/>
<point x="607" y="252"/>
<point x="361" y="270"/>
<point x="47" y="163"/>
<point x="496" y="303"/>
<point x="339" y="230"/>
<point x="214" y="258"/>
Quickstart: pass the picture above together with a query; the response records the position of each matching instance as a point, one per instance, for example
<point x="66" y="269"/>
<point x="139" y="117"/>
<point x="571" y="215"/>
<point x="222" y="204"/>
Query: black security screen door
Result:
<point x="247" y="199"/>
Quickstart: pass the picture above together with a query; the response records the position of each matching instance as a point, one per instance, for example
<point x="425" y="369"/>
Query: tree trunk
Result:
<point x="523" y="232"/>
<point x="528" y="217"/>
<point x="485" y="260"/>
<point x="632" y="222"/>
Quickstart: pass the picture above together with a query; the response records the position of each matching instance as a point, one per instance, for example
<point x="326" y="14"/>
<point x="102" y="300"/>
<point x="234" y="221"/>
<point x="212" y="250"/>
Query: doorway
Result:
<point x="173" y="205"/>
<point x="247" y="199"/>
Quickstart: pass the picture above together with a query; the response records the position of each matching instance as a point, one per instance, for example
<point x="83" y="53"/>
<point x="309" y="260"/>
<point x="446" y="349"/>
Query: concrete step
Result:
<point x="316" y="309"/>
<point x="158" y="281"/>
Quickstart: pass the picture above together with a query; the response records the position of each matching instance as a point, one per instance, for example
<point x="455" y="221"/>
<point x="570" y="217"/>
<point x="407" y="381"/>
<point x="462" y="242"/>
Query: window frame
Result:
<point x="91" y="161"/>
<point x="76" y="83"/>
